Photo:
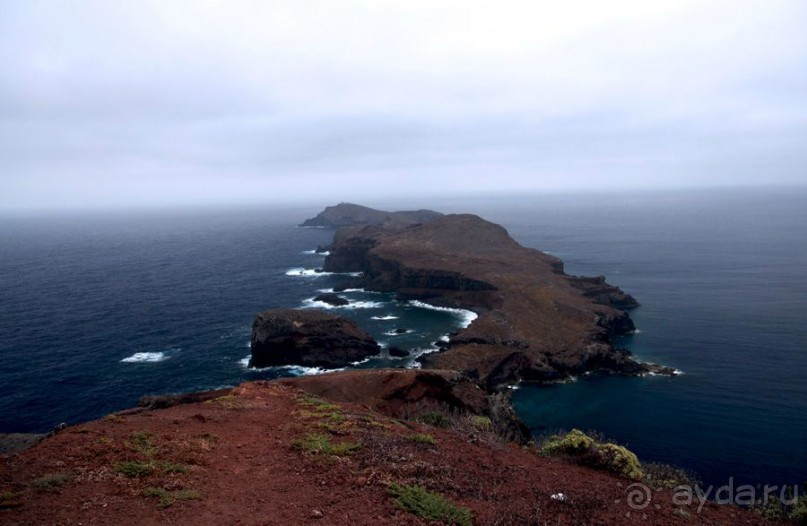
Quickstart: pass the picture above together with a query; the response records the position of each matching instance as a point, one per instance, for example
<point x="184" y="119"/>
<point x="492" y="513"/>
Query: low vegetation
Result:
<point x="429" y="505"/>
<point x="168" y="498"/>
<point x="665" y="476"/>
<point x="422" y="438"/>
<point x="319" y="444"/>
<point x="481" y="423"/>
<point x="52" y="480"/>
<point x="10" y="499"/>
<point x="792" y="509"/>
<point x="435" y="419"/>
<point x="580" y="448"/>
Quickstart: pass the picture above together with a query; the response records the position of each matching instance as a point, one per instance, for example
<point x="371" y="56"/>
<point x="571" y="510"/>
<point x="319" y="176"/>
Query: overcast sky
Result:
<point x="111" y="103"/>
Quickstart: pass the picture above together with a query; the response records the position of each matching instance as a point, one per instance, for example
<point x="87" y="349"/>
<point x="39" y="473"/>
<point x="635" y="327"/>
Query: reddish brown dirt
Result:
<point x="237" y="453"/>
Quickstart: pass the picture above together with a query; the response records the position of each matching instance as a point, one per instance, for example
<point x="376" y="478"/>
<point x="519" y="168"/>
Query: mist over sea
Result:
<point x="100" y="308"/>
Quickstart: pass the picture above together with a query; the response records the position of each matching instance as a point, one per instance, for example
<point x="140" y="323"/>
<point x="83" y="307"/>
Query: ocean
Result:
<point x="100" y="308"/>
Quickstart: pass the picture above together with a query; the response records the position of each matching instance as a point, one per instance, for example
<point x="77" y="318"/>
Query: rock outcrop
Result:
<point x="535" y="322"/>
<point x="408" y="393"/>
<point x="309" y="338"/>
<point x="332" y="299"/>
<point x="348" y="214"/>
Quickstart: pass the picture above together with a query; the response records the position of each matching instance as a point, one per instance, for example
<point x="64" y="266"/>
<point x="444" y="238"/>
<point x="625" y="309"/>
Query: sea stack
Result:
<point x="310" y="338"/>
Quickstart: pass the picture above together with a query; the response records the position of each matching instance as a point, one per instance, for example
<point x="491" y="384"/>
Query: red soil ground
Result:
<point x="236" y="457"/>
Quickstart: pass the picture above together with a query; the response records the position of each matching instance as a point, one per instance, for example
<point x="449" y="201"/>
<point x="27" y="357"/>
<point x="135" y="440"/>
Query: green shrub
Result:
<point x="421" y="438"/>
<point x="482" y="423"/>
<point x="573" y="443"/>
<point x="430" y="506"/>
<point x="435" y="419"/>
<point x="618" y="459"/>
<point x="799" y="512"/>
<point x="582" y="449"/>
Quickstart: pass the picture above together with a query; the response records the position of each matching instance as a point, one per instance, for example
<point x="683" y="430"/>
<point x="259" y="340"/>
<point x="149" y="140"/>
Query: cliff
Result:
<point x="316" y="450"/>
<point x="310" y="338"/>
<point x="535" y="322"/>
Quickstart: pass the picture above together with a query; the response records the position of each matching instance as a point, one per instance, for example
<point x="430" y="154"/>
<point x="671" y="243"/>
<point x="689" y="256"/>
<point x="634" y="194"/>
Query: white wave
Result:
<point x="145" y="357"/>
<point x="676" y="372"/>
<point x="394" y="333"/>
<point x="315" y="253"/>
<point x="466" y="316"/>
<point x="325" y="291"/>
<point x="311" y="303"/>
<point x="306" y="272"/>
<point x="359" y="362"/>
<point x="384" y="318"/>
<point x="297" y="370"/>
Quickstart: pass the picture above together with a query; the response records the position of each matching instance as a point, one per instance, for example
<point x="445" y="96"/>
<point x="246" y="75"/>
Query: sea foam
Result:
<point x="294" y="370"/>
<point x="311" y="303"/>
<point x="466" y="316"/>
<point x="384" y="318"/>
<point x="145" y="357"/>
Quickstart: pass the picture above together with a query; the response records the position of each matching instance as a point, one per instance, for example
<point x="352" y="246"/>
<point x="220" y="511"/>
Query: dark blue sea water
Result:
<point x="97" y="309"/>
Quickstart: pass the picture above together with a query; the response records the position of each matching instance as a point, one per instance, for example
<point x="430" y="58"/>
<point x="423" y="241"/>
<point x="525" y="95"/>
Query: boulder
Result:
<point x="309" y="338"/>
<point x="332" y="299"/>
<point x="397" y="352"/>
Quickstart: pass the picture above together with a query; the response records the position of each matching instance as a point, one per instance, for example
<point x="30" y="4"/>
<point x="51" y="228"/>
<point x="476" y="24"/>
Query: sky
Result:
<point x="137" y="103"/>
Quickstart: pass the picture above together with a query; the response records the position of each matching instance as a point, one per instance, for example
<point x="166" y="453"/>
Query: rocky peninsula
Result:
<point x="534" y="321"/>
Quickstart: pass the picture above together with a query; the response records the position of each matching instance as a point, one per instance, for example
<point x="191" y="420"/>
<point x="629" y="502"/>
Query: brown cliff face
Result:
<point x="535" y="322"/>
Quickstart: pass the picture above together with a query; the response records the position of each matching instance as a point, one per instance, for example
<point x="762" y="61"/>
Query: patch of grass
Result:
<point x="134" y="469"/>
<point x="115" y="419"/>
<point x="318" y="444"/>
<point x="10" y="499"/>
<point x="422" y="438"/>
<point x="170" y="467"/>
<point x="681" y="512"/>
<point x="435" y="419"/>
<point x="142" y="442"/>
<point x="429" y="505"/>
<point x="371" y="422"/>
<point x="168" y="498"/>
<point x="342" y="428"/>
<point x="227" y="402"/>
<point x="52" y="480"/>
<point x="318" y="404"/>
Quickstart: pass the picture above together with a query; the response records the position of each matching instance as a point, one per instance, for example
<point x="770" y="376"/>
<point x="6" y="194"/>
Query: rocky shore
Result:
<point x="534" y="321"/>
